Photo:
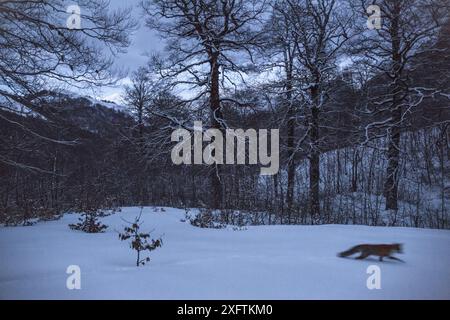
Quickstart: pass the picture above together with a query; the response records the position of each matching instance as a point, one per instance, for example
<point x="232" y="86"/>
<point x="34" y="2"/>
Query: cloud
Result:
<point x="143" y="42"/>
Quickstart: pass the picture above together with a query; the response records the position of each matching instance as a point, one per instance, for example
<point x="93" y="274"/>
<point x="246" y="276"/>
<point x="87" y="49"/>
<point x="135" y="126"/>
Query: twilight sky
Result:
<point x="143" y="41"/>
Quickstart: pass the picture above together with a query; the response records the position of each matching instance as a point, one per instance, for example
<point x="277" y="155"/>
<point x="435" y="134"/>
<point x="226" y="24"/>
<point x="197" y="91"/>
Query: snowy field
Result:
<point x="261" y="262"/>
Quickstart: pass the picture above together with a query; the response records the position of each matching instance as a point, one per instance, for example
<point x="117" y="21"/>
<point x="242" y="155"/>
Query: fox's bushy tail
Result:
<point x="349" y="252"/>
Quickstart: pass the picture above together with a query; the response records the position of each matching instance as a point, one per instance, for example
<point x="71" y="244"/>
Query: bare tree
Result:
<point x="41" y="49"/>
<point x="319" y="30"/>
<point x="408" y="29"/>
<point x="280" y="49"/>
<point x="205" y="42"/>
<point x="138" y="96"/>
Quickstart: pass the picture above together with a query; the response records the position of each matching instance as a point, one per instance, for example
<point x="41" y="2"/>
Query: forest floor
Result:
<point x="257" y="262"/>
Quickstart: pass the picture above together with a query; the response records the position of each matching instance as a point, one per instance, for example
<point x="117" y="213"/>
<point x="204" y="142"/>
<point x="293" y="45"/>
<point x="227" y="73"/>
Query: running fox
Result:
<point x="380" y="250"/>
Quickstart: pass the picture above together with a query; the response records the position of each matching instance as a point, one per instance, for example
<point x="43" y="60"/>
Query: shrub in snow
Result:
<point x="89" y="221"/>
<point x="111" y="205"/>
<point x="218" y="219"/>
<point x="12" y="217"/>
<point x="140" y="241"/>
<point x="205" y="218"/>
<point x="27" y="214"/>
<point x="14" y="221"/>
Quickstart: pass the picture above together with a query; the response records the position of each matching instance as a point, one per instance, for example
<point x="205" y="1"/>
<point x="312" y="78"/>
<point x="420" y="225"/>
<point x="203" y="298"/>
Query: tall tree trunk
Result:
<point x="290" y="142"/>
<point x="393" y="155"/>
<point x="355" y="161"/>
<point x="217" y="116"/>
<point x="314" y="157"/>
<point x="142" y="155"/>
<point x="140" y="132"/>
<point x="392" y="174"/>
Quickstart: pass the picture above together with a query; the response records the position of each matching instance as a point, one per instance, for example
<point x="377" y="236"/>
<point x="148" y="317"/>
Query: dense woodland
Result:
<point x="363" y="113"/>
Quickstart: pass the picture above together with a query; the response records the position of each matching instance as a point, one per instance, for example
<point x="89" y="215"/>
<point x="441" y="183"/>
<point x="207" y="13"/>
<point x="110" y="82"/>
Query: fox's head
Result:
<point x="398" y="247"/>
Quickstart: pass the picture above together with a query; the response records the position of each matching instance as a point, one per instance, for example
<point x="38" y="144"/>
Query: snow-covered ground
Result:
<point x="261" y="262"/>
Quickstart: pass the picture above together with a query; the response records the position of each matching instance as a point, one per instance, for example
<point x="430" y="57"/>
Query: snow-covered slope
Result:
<point x="263" y="262"/>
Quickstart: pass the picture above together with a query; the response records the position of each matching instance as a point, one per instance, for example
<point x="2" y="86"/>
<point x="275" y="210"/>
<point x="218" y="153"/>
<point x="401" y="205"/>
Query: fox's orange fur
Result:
<point x="380" y="250"/>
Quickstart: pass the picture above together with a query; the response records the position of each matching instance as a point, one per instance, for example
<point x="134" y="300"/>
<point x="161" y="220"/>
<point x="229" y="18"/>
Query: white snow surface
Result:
<point x="260" y="262"/>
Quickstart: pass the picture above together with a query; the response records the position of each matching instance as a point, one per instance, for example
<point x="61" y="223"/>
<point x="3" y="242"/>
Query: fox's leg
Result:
<point x="395" y="258"/>
<point x="363" y="255"/>
<point x="381" y="258"/>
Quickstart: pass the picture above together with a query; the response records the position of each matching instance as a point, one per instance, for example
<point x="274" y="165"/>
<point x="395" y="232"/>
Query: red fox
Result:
<point x="380" y="250"/>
